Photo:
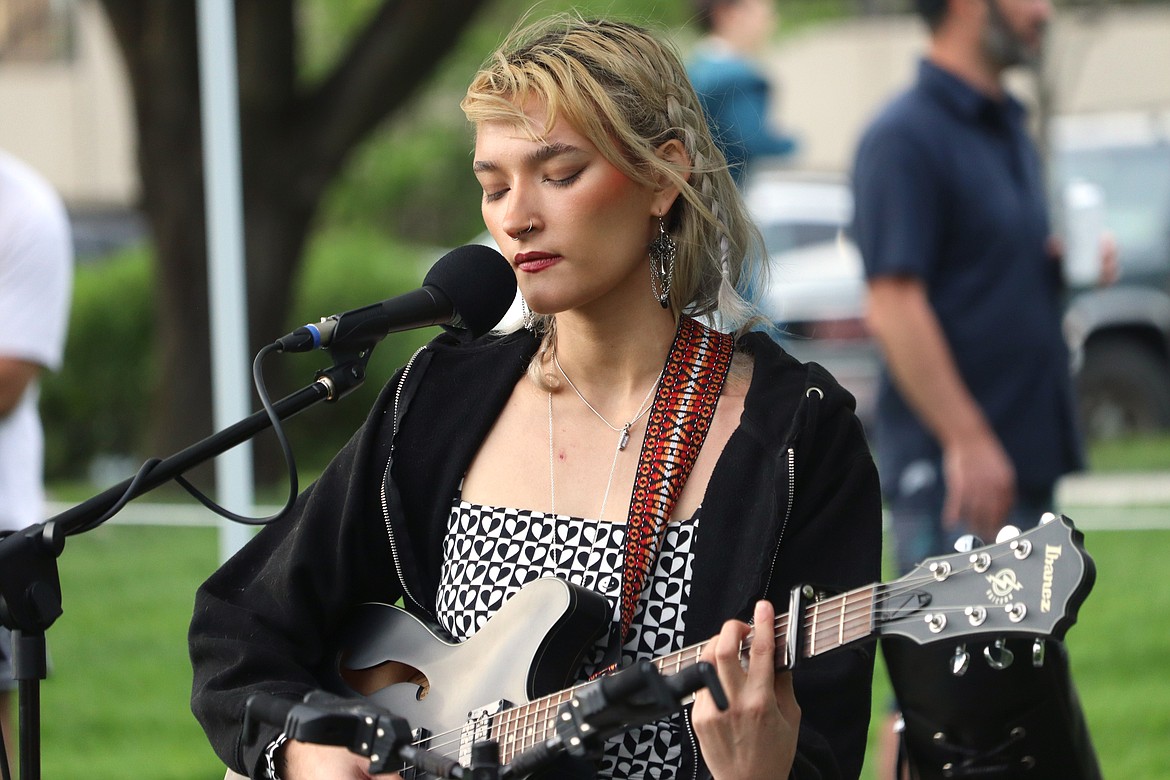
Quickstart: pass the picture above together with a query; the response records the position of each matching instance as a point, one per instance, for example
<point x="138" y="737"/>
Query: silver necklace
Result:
<point x="624" y="431"/>
<point x="623" y="440"/>
<point x="552" y="479"/>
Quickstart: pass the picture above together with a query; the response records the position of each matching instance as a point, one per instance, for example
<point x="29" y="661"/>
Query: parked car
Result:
<point x="1115" y="176"/>
<point x="816" y="287"/>
<point x="1120" y="335"/>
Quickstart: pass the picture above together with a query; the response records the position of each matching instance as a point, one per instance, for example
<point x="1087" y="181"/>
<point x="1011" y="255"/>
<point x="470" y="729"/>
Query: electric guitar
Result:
<point x="502" y="683"/>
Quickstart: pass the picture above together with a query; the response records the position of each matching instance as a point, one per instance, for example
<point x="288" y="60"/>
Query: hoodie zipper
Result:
<point x="386" y="479"/>
<point x="775" y="555"/>
<point x="694" y="744"/>
<point x="787" y="514"/>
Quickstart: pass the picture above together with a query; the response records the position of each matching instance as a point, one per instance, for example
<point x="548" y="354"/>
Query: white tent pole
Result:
<point x="231" y="382"/>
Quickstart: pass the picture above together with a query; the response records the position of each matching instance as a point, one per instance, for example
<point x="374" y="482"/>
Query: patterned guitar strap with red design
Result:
<point x="684" y="406"/>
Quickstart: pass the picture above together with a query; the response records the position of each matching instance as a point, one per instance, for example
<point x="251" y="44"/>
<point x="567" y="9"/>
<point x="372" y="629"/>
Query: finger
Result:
<point x="786" y="698"/>
<point x="762" y="658"/>
<point x="725" y="655"/>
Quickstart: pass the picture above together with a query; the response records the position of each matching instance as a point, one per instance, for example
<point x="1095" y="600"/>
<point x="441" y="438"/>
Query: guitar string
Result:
<point x="517" y="723"/>
<point x="862" y="610"/>
<point x="856" y="607"/>
<point x="853" y="610"/>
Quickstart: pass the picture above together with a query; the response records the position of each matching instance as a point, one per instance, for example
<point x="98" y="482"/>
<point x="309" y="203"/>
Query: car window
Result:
<point x="786" y="236"/>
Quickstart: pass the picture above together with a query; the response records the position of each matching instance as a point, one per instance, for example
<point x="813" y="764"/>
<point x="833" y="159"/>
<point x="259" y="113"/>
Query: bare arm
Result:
<point x="15" y="376"/>
<point x="980" y="479"/>
<point x="303" y="761"/>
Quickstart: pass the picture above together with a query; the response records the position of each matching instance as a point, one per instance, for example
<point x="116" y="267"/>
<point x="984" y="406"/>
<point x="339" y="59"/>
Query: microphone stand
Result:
<point x="30" y="586"/>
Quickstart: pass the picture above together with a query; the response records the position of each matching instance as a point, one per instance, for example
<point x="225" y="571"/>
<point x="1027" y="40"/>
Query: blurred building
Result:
<point x="65" y="110"/>
<point x="1100" y="59"/>
<point x="65" y="106"/>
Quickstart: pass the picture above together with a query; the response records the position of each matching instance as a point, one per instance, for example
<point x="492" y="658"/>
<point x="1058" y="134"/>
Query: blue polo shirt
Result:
<point x="949" y="189"/>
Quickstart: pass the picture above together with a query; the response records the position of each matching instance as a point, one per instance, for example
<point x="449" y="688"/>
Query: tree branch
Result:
<point x="385" y="65"/>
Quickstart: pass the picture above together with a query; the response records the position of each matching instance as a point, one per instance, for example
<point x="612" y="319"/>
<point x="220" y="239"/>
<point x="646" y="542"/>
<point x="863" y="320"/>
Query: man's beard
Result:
<point x="1002" y="46"/>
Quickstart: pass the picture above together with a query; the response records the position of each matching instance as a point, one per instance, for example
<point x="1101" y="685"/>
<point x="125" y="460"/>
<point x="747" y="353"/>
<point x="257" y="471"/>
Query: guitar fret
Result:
<point x="829" y="623"/>
<point x="502" y="733"/>
<point x="812" y="639"/>
<point x="841" y="622"/>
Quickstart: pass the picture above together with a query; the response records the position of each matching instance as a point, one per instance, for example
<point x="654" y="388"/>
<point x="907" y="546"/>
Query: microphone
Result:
<point x="470" y="287"/>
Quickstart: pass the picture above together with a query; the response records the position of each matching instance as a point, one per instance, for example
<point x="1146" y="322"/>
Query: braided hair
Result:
<point x="628" y="92"/>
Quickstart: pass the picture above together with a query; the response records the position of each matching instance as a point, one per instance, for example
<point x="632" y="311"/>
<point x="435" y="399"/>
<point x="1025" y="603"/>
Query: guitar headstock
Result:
<point x="1031" y="585"/>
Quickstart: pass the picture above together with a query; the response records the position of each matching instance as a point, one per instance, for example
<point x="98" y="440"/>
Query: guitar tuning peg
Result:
<point x="1038" y="652"/>
<point x="967" y="542"/>
<point x="1000" y="658"/>
<point x="960" y="661"/>
<point x="1047" y="518"/>
<point x="1007" y="533"/>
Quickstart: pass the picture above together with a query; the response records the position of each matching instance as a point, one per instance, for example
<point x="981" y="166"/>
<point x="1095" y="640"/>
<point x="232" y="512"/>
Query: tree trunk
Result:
<point x="294" y="141"/>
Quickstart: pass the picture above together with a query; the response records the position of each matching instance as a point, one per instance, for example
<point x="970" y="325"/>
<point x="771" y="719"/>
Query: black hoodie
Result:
<point x="793" y="499"/>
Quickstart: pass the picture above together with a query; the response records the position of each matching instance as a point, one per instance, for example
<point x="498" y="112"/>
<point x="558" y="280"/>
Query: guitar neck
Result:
<point x="825" y="625"/>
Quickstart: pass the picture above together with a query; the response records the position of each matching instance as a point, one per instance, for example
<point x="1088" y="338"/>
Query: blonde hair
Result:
<point x="628" y="92"/>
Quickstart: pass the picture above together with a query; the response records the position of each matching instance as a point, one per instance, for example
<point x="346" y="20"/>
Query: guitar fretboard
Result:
<point x="826" y="625"/>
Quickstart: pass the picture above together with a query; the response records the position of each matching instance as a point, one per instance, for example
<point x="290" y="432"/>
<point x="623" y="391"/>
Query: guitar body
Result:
<point x="532" y="646"/>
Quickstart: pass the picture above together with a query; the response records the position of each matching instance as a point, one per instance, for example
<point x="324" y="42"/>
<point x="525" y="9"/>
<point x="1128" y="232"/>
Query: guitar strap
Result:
<point x="680" y="417"/>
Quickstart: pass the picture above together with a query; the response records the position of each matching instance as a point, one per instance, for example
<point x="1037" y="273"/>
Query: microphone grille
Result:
<point x="478" y="281"/>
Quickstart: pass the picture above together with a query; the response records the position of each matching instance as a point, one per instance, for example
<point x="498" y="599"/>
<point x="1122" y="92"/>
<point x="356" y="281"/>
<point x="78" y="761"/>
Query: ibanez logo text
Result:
<point x="1051" y="553"/>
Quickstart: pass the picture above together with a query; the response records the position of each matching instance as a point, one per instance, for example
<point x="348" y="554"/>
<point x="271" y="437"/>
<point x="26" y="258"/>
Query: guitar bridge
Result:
<point x="478" y="728"/>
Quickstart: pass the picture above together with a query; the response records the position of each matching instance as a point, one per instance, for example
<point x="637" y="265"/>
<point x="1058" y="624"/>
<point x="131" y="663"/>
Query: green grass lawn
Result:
<point x="116" y="702"/>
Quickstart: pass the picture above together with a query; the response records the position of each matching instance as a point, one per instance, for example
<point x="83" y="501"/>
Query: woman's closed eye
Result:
<point x="563" y="181"/>
<point x="556" y="180"/>
<point x="492" y="195"/>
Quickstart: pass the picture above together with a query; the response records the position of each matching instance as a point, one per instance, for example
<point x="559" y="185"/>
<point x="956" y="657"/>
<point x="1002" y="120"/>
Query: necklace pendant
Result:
<point x="624" y="438"/>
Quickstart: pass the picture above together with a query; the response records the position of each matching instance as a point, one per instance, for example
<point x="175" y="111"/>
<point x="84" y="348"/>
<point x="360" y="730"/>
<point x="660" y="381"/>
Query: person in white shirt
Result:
<point x="36" y="280"/>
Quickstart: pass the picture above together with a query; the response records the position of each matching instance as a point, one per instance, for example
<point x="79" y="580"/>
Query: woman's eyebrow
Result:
<point x="543" y="154"/>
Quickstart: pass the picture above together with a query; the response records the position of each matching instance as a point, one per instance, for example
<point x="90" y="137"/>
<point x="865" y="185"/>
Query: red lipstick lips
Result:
<point x="532" y="262"/>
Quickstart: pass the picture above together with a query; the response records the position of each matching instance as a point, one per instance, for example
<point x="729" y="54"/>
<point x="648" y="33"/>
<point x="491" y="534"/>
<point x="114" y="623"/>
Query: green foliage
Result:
<point x="1138" y="453"/>
<point x="94" y="406"/>
<point x="413" y="177"/>
<point x="410" y="183"/>
<point x="116" y="699"/>
<point x="347" y="267"/>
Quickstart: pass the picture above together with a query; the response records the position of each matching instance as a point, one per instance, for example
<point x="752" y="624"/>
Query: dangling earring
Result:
<point x="528" y="316"/>
<point x="662" y="252"/>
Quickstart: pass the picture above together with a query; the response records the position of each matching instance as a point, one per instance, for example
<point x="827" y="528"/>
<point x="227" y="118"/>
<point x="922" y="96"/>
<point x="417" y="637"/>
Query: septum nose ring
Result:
<point x="522" y="232"/>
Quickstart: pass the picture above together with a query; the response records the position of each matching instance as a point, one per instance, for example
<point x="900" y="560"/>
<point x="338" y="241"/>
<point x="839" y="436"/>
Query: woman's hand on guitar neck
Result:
<point x="303" y="761"/>
<point x="756" y="736"/>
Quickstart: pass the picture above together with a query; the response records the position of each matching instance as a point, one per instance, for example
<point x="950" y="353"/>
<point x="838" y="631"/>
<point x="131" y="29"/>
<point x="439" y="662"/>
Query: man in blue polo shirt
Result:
<point x="975" y="413"/>
<point x="975" y="417"/>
